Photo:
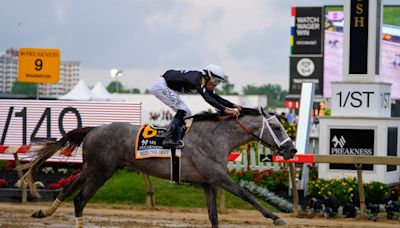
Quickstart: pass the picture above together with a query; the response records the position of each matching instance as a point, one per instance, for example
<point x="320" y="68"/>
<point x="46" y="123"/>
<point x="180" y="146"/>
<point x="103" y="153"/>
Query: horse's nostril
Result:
<point x="289" y="154"/>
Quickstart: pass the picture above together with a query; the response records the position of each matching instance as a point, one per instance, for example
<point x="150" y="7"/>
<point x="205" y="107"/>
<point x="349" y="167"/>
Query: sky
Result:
<point x="249" y="39"/>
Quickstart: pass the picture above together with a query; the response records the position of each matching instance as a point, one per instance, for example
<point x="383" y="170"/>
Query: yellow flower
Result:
<point x="381" y="187"/>
<point x="350" y="189"/>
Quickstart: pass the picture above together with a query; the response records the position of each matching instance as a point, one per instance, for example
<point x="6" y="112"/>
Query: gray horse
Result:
<point x="204" y="158"/>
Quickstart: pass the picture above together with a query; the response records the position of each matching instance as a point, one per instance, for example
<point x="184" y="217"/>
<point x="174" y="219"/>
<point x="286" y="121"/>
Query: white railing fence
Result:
<point x="251" y="158"/>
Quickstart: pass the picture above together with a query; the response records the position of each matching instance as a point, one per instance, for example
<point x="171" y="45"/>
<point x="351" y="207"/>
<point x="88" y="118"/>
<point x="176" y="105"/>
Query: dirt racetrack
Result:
<point x="95" y="215"/>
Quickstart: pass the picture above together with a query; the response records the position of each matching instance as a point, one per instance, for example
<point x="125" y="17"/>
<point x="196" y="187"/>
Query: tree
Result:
<point x="276" y="96"/>
<point x="115" y="87"/>
<point x="134" y="90"/>
<point x="29" y="89"/>
<point x="226" y="88"/>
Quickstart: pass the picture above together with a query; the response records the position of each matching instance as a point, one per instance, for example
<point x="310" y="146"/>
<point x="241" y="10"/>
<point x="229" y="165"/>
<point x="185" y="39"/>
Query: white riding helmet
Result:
<point x="215" y="73"/>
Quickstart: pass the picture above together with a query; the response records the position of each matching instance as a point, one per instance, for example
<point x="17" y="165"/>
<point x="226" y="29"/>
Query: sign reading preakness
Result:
<point x="351" y="142"/>
<point x="26" y="121"/>
<point x="39" y="65"/>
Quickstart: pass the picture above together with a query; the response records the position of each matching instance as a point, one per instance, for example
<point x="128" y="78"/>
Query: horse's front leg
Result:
<point x="227" y="183"/>
<point x="210" y="193"/>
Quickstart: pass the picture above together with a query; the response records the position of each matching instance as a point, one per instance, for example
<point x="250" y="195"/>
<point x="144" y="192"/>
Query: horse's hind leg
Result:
<point x="66" y="191"/>
<point x="210" y="193"/>
<point x="88" y="190"/>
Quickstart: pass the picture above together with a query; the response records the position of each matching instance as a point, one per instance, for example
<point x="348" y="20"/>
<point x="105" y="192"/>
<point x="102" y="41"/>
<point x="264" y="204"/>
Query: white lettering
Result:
<point x="303" y="32"/>
<point x="307" y="19"/>
<point x="306" y="42"/>
<point x="352" y="151"/>
<point x="309" y="26"/>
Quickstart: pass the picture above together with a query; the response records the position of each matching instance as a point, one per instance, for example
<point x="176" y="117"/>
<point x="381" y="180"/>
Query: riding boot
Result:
<point x="173" y="138"/>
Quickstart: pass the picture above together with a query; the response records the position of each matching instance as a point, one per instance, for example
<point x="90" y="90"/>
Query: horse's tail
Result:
<point x="72" y="140"/>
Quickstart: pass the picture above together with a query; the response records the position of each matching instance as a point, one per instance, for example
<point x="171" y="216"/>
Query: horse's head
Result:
<point x="272" y="134"/>
<point x="272" y="131"/>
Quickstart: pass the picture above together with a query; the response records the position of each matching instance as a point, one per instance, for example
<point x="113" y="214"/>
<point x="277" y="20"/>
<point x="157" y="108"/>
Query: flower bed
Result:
<point x="49" y="178"/>
<point x="345" y="191"/>
<point x="272" y="186"/>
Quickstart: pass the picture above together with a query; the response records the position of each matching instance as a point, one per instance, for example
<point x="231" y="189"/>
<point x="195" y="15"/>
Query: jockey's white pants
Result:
<point x="168" y="96"/>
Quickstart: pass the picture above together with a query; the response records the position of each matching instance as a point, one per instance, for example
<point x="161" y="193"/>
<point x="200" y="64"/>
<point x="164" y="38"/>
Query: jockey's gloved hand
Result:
<point x="232" y="111"/>
<point x="238" y="107"/>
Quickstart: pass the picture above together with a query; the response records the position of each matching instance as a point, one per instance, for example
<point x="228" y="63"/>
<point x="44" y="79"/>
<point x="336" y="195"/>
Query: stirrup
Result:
<point x="181" y="145"/>
<point x="178" y="144"/>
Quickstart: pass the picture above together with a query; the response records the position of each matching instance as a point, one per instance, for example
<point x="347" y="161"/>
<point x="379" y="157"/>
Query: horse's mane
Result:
<point x="218" y="116"/>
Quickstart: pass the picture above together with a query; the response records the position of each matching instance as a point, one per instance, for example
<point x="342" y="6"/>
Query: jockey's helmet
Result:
<point x="215" y="73"/>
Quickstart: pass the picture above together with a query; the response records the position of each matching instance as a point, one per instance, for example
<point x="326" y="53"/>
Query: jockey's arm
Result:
<point x="211" y="100"/>
<point x="226" y="102"/>
<point x="220" y="103"/>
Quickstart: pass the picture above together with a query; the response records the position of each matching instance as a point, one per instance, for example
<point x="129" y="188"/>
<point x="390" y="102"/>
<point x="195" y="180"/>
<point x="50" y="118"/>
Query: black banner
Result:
<point x="358" y="57"/>
<point x="308" y="30"/>
<point x="306" y="69"/>
<point x="351" y="142"/>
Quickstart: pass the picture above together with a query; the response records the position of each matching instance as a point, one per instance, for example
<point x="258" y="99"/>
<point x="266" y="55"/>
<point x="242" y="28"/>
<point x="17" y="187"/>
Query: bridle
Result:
<point x="272" y="133"/>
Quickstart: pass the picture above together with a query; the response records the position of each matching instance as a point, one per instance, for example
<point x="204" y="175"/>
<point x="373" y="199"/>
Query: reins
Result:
<point x="248" y="131"/>
<point x="266" y="124"/>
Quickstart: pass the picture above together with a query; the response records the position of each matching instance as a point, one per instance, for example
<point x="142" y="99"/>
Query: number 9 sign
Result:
<point x="39" y="65"/>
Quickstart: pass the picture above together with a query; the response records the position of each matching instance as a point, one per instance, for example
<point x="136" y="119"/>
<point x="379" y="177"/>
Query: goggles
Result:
<point x="214" y="79"/>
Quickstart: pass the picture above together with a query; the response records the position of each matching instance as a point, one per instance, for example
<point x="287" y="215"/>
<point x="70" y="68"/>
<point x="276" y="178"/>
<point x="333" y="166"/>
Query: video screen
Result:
<point x="390" y="48"/>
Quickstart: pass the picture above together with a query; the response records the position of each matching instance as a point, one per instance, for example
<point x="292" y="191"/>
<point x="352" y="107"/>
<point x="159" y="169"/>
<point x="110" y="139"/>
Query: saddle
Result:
<point x="149" y="142"/>
<point x="149" y="145"/>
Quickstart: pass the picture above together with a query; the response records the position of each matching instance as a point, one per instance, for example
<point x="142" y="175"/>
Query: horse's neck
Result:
<point x="227" y="134"/>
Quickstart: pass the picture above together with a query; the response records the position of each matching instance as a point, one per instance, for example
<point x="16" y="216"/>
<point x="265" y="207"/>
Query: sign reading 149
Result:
<point x="40" y="65"/>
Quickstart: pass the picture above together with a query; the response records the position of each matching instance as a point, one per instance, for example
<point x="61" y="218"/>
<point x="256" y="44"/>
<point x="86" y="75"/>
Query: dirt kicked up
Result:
<point x="95" y="215"/>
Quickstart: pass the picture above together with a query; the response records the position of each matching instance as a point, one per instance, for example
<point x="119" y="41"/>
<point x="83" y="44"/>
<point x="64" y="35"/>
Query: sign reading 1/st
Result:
<point x="39" y="65"/>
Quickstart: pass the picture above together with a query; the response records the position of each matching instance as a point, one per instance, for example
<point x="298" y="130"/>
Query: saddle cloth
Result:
<point x="149" y="143"/>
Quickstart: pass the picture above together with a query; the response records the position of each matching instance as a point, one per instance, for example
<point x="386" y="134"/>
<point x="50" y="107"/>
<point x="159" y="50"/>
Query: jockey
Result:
<point x="166" y="89"/>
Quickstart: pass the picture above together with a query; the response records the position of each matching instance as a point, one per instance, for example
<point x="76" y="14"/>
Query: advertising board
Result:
<point x="25" y="121"/>
<point x="351" y="142"/>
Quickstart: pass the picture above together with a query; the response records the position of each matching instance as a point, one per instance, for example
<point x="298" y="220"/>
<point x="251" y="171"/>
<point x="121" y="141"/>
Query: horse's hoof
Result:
<point x="279" y="222"/>
<point x="38" y="214"/>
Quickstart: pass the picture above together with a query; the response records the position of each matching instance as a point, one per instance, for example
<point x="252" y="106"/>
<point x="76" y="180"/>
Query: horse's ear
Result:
<point x="262" y="111"/>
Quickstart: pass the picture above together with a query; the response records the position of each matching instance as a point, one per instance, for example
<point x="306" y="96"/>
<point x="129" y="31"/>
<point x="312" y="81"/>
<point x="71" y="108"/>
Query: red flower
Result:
<point x="3" y="182"/>
<point x="10" y="165"/>
<point x="54" y="186"/>
<point x="63" y="181"/>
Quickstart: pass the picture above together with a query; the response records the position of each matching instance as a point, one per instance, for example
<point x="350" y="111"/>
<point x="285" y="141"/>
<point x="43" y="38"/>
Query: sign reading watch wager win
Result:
<point x="307" y="30"/>
<point x="306" y="49"/>
<point x="39" y="65"/>
<point x="351" y="142"/>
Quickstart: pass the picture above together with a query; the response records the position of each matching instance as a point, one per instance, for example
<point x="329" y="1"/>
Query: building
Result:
<point x="69" y="75"/>
<point x="8" y="69"/>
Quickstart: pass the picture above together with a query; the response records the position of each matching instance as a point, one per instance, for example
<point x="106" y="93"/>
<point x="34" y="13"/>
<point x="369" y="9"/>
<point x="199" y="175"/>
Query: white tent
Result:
<point x="102" y="93"/>
<point x="80" y="92"/>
